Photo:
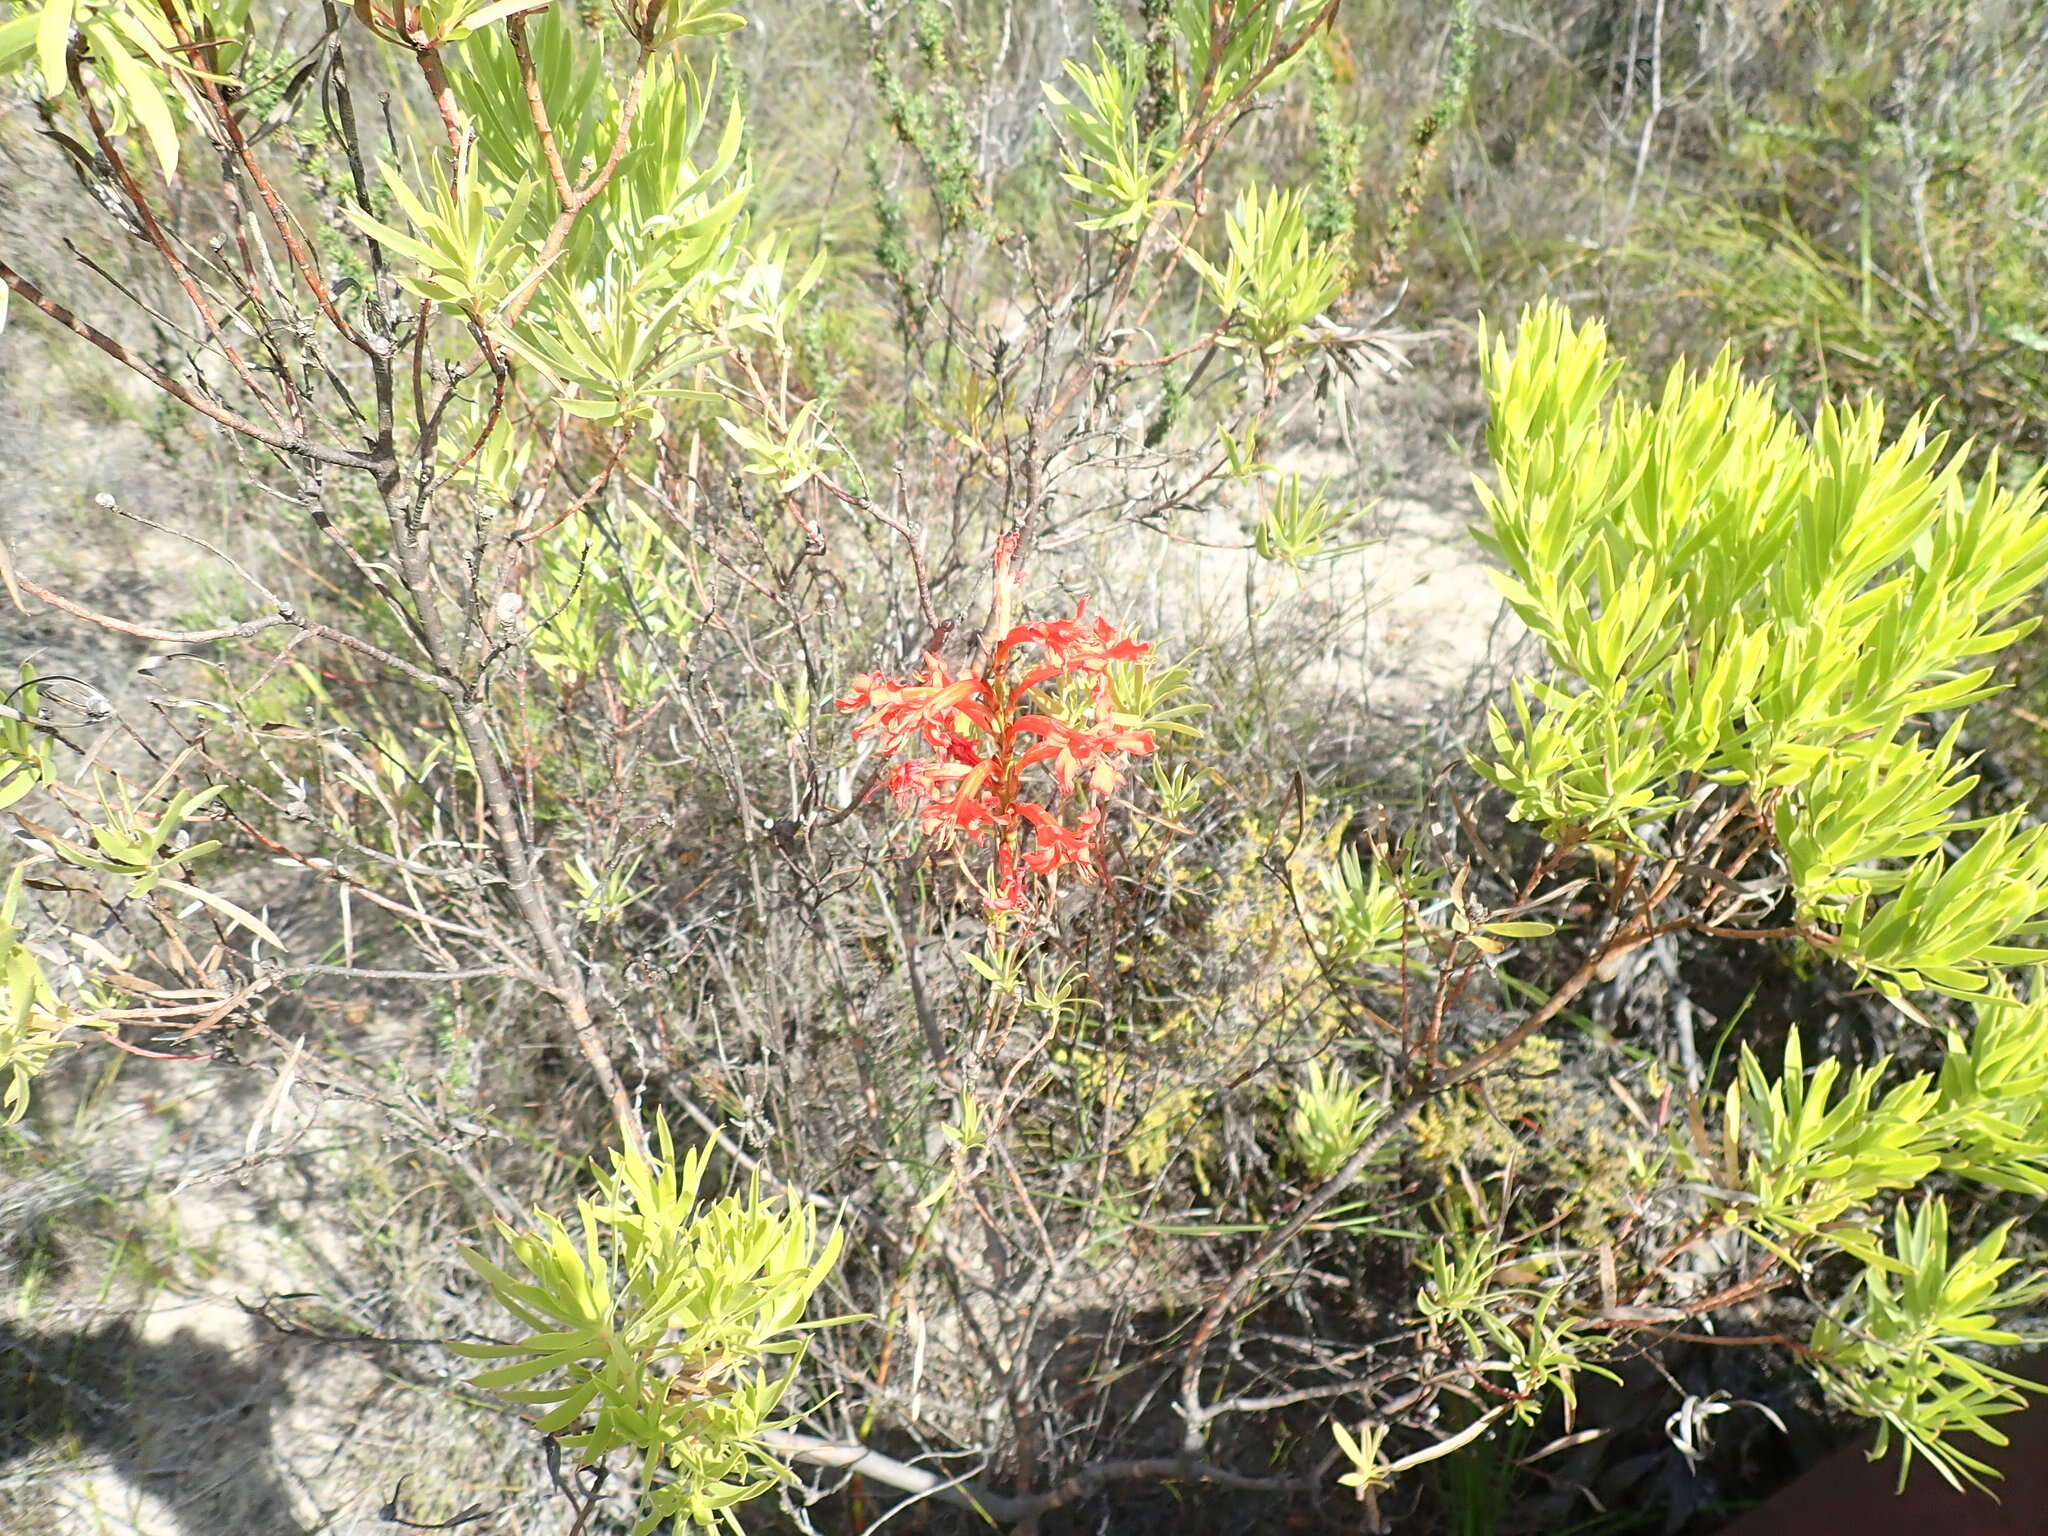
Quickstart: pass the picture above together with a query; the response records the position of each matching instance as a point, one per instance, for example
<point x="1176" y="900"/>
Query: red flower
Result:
<point x="1058" y="844"/>
<point x="1008" y="893"/>
<point x="1071" y="751"/>
<point x="1095" y="649"/>
<point x="940" y="708"/>
<point x="985" y="732"/>
<point x="1077" y="646"/>
<point x="951" y="795"/>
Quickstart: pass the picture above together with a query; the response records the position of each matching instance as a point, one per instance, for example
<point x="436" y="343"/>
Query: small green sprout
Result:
<point x="1298" y="526"/>
<point x="1333" y="1115"/>
<point x="1275" y="278"/>
<point x="602" y="898"/>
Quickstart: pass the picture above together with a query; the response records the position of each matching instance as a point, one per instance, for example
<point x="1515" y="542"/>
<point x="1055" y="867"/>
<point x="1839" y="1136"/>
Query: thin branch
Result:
<point x="363" y="973"/>
<point x="285" y="617"/>
<point x="557" y="238"/>
<point x="522" y="49"/>
<point x="302" y="260"/>
<point x="1023" y="1510"/>
<point x="154" y="233"/>
<point x="284" y="442"/>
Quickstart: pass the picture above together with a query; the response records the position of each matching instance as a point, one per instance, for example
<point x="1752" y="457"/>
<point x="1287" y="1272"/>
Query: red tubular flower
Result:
<point x="985" y="732"/>
<point x="1059" y="845"/>
<point x="950" y="797"/>
<point x="1091" y="651"/>
<point x="940" y="708"/>
<point x="1071" y="751"/>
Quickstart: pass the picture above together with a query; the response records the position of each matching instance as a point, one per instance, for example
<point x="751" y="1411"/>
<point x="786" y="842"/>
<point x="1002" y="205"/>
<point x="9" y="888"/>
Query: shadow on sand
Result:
<point x="183" y="1418"/>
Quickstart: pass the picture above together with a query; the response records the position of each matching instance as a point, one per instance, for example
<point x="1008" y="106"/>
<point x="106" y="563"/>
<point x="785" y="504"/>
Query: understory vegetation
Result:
<point x="757" y="744"/>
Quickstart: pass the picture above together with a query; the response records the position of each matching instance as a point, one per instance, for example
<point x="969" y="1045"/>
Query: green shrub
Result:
<point x="1749" y="622"/>
<point x="658" y="1317"/>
